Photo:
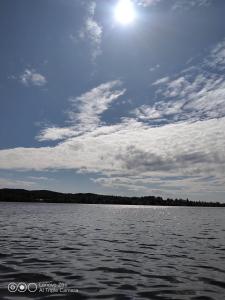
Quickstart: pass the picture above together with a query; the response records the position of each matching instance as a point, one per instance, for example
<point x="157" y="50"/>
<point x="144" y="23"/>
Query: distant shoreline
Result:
<point x="45" y="196"/>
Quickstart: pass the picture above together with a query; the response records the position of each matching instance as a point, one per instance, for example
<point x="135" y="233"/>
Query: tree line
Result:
<point x="19" y="195"/>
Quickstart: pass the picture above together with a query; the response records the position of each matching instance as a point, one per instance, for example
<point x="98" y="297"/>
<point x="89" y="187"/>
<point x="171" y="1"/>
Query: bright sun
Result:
<point x="124" y="12"/>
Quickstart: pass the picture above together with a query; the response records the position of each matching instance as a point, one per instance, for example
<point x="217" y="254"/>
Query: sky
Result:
<point x="96" y="98"/>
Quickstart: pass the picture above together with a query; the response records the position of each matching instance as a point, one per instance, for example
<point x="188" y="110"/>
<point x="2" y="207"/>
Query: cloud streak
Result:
<point x="92" y="32"/>
<point x="177" y="4"/>
<point x="85" y="112"/>
<point x="198" y="93"/>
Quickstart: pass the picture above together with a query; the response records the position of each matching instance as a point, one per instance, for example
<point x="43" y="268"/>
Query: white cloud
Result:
<point x="92" y="104"/>
<point x="161" y="80"/>
<point x="132" y="149"/>
<point x="154" y="68"/>
<point x="85" y="112"/>
<point x="170" y="186"/>
<point x="183" y="149"/>
<point x="92" y="32"/>
<point x="31" y="77"/>
<point x="171" y="157"/>
<point x="188" y="4"/>
<point x="197" y="93"/>
<point x="199" y="98"/>
<point x="217" y="57"/>
<point x="55" y="133"/>
<point x="177" y="4"/>
<point x="146" y="3"/>
<point x="13" y="183"/>
<point x="39" y="178"/>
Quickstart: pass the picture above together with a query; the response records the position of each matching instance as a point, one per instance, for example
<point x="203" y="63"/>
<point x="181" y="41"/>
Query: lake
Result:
<point x="75" y="251"/>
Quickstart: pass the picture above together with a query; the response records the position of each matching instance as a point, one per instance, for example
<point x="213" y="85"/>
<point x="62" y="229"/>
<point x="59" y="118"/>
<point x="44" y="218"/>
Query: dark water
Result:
<point x="112" y="252"/>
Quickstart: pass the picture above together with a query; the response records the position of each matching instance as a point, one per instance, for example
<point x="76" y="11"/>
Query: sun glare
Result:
<point x="125" y="12"/>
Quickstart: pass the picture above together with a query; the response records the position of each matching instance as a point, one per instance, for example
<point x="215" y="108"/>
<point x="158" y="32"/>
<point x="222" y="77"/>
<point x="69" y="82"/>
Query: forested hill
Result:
<point x="19" y="195"/>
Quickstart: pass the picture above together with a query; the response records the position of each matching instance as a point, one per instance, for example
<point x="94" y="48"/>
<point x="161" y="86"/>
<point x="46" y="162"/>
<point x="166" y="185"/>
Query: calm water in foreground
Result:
<point x="112" y="252"/>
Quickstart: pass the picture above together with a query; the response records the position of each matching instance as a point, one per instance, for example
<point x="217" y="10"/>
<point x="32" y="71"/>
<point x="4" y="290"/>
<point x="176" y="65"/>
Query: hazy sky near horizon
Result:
<point x="129" y="105"/>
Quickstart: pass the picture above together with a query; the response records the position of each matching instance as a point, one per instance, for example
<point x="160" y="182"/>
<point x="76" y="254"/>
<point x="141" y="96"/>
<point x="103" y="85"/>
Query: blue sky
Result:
<point x="90" y="104"/>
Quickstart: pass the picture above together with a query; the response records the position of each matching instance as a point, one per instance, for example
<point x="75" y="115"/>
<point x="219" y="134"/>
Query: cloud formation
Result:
<point x="197" y="93"/>
<point x="92" y="32"/>
<point x="188" y="4"/>
<point x="201" y="97"/>
<point x="216" y="59"/>
<point x="10" y="183"/>
<point x="85" y="112"/>
<point x="183" y="150"/>
<point x="32" y="78"/>
<point x="146" y="3"/>
<point x="177" y="4"/>
<point x="132" y="149"/>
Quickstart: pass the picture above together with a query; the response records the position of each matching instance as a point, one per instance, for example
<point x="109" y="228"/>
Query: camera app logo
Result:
<point x="22" y="287"/>
<point x="32" y="287"/>
<point x="12" y="287"/>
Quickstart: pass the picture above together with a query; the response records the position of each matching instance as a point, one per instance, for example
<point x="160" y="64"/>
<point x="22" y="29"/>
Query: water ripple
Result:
<point x="112" y="252"/>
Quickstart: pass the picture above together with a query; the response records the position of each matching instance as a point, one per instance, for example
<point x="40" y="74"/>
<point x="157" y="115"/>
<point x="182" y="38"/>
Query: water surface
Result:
<point x="113" y="252"/>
